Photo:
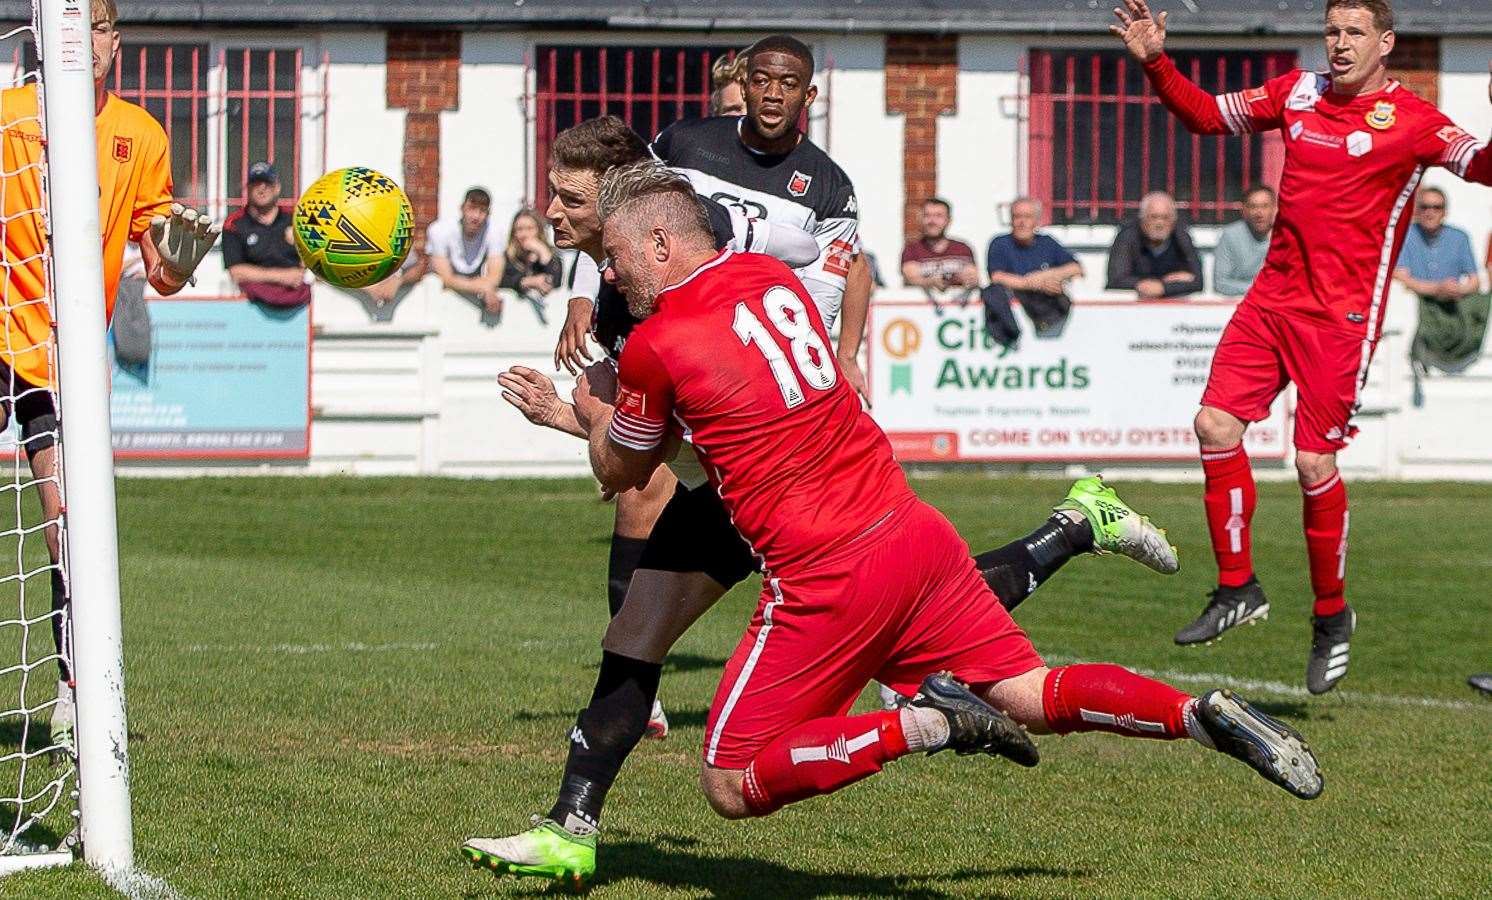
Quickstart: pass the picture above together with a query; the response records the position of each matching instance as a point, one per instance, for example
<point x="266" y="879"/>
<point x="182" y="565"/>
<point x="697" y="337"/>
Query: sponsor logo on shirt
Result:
<point x="1381" y="116"/>
<point x="797" y="185"/>
<point x="1255" y="95"/>
<point x="1451" y="134"/>
<point x="837" y="258"/>
<point x="1296" y="128"/>
<point x="1359" y="142"/>
<point x="631" y="402"/>
<point x="751" y="208"/>
<point x="1319" y="138"/>
<point x="123" y="148"/>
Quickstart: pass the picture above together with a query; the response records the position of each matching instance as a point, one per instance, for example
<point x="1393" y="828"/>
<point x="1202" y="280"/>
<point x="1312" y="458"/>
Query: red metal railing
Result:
<point x="222" y="117"/>
<point x="1099" y="139"/>
<point x="650" y="88"/>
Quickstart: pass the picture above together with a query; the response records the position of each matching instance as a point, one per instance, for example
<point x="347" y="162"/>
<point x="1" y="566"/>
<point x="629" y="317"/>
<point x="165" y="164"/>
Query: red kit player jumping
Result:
<point x="1356" y="144"/>
<point x="862" y="580"/>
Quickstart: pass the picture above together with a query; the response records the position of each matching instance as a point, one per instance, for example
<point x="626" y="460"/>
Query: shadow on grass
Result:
<point x="692" y="718"/>
<point x="1293" y="710"/>
<point x="670" y="862"/>
<point x="692" y="662"/>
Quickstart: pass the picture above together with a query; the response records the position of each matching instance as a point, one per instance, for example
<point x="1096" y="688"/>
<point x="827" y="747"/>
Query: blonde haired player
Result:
<point x="135" y="204"/>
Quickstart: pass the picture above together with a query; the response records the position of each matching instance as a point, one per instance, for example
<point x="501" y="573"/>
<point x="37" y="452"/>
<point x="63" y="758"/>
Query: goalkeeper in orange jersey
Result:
<point x="135" y="204"/>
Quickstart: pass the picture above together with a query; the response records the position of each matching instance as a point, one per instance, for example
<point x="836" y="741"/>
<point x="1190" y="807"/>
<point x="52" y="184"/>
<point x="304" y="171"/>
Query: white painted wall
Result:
<point x="412" y="389"/>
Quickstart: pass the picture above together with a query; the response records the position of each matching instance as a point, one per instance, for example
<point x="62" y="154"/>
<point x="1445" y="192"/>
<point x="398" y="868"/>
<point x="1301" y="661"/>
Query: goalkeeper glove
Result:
<point x="183" y="239"/>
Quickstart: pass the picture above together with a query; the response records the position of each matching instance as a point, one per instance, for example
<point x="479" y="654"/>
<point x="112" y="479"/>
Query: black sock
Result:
<point x="59" y="611"/>
<point x="1017" y="569"/>
<point x="604" y="733"/>
<point x="625" y="554"/>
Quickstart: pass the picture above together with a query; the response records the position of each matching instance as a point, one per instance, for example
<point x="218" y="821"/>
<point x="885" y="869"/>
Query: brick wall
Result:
<point x="423" y="79"/>
<point x="921" y="84"/>
<point x="1416" y="62"/>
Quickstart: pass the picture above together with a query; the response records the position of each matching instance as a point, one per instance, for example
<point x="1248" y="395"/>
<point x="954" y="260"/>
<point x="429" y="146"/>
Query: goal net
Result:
<point x="37" y="774"/>
<point x="63" y="740"/>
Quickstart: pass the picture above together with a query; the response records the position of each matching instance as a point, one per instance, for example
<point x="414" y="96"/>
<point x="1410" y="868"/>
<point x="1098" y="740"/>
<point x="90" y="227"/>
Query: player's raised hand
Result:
<point x="531" y="393"/>
<point x="571" y="352"/>
<point x="183" y="238"/>
<point x="1143" y="35"/>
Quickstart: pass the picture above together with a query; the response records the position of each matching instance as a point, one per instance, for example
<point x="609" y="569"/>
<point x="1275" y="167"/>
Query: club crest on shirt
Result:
<point x="798" y="184"/>
<point x="1382" y="115"/>
<point x="123" y="148"/>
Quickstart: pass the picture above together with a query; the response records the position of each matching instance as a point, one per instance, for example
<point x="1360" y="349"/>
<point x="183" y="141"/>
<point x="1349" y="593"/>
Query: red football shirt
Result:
<point x="1351" y="168"/>
<point x="737" y="353"/>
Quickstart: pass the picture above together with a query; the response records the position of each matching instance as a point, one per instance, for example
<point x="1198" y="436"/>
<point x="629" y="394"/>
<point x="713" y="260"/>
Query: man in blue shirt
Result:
<point x="1034" y="269"/>
<point x="1436" y="262"/>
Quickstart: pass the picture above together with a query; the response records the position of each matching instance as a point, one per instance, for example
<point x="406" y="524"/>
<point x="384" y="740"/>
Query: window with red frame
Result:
<point x="222" y="111"/>
<point x="1099" y="139"/>
<point x="650" y="88"/>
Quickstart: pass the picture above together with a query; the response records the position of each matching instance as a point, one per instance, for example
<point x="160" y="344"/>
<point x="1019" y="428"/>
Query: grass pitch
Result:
<point x="333" y="682"/>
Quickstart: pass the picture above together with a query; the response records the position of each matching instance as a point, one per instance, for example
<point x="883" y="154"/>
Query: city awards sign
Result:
<point x="1123" y="382"/>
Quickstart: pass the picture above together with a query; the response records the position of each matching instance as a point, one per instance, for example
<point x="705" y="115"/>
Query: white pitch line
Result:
<point x="1281" y="689"/>
<point x="137" y="884"/>
<point x="303" y="649"/>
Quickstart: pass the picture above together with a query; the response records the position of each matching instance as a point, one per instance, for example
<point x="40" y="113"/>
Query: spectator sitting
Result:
<point x="531" y="267"/>
<point x="1033" y="268"/>
<point x="467" y="253"/>
<point x="258" y="250"/>
<point x="1436" y="262"/>
<point x="1241" y="246"/>
<point x="936" y="262"/>
<point x="728" y="82"/>
<point x="1154" y="257"/>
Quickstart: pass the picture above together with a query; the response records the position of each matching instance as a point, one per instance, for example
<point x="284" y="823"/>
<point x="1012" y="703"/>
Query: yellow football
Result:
<point x="353" y="227"/>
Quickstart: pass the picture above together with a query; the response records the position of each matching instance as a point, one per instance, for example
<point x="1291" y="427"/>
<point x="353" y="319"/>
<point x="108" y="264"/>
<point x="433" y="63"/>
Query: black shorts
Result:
<point x="33" y="408"/>
<point x="694" y="534"/>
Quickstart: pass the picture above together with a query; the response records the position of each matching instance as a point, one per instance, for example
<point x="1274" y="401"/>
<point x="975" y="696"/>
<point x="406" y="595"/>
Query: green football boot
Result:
<point x="1119" y="529"/>
<point x="545" y="851"/>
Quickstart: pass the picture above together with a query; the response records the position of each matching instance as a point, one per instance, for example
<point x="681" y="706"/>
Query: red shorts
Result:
<point x="1260" y="352"/>
<point x="896" y="605"/>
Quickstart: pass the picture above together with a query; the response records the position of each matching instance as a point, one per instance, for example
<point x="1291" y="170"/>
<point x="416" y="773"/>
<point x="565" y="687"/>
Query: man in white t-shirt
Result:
<point x="467" y="252"/>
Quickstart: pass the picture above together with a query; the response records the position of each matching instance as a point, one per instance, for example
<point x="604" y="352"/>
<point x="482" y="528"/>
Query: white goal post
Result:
<point x="89" y="541"/>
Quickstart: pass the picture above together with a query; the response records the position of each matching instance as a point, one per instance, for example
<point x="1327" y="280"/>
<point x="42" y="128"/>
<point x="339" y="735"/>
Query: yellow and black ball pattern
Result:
<point x="353" y="227"/>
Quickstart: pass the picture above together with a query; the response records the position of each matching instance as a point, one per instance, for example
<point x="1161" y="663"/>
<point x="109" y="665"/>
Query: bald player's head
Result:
<point x="654" y="229"/>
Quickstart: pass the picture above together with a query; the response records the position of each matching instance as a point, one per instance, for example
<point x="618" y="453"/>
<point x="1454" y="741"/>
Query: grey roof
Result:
<point x="1029" y="16"/>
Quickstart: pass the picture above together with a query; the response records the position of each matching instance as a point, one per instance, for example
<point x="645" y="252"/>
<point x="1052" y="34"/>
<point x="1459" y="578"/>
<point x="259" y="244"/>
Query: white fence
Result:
<point x="417" y="394"/>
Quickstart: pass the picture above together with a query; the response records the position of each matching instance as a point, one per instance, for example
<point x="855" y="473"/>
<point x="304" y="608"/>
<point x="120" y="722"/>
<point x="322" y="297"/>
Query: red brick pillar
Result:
<point x="921" y="84"/>
<point x="423" y="79"/>
<point x="1416" y="62"/>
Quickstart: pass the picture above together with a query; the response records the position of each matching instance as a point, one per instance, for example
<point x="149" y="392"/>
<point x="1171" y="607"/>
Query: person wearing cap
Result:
<point x="257" y="248"/>
<point x="467" y="252"/>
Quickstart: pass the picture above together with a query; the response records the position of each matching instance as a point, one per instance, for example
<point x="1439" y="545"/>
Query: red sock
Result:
<point x="820" y="757"/>
<point x="1324" y="513"/>
<point x="1105" y="697"/>
<point x="1229" y="497"/>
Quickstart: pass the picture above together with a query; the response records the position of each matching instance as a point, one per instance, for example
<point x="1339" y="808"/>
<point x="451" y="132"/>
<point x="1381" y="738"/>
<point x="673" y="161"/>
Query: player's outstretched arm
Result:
<point x="174" y="246"/>
<point x="1145" y="38"/>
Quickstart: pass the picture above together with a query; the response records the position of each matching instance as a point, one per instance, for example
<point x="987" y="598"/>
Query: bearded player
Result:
<point x="693" y="554"/>
<point x="134" y="175"/>
<point x="861" y="579"/>
<point x="1356" y="144"/>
